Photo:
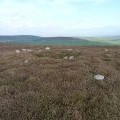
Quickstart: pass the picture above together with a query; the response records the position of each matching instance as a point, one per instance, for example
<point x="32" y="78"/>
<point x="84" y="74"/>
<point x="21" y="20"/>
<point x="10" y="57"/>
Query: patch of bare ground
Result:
<point x="48" y="87"/>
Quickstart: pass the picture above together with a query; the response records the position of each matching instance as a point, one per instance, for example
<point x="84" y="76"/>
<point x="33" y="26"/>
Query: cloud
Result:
<point x="69" y="2"/>
<point x="48" y="17"/>
<point x="55" y="2"/>
<point x="13" y="13"/>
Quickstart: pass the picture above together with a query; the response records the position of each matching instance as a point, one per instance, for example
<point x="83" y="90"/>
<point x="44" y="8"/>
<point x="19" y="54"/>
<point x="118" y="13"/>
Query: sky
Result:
<point x="60" y="17"/>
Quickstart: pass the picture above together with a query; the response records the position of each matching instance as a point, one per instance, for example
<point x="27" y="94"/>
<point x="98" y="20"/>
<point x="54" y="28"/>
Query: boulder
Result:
<point x="99" y="77"/>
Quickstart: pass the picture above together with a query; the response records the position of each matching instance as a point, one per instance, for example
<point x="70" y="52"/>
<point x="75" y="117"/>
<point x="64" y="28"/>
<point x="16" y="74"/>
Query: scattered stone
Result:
<point x="77" y="50"/>
<point x="65" y="58"/>
<point x="47" y="48"/>
<point x="71" y="58"/>
<point x="69" y="49"/>
<point x="39" y="50"/>
<point x="17" y="51"/>
<point x="24" y="50"/>
<point x="26" y="61"/>
<point x="99" y="77"/>
<point x="106" y="50"/>
<point x="29" y="50"/>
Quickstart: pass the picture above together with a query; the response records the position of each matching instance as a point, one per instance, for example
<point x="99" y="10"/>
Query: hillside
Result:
<point x="59" y="41"/>
<point x="45" y="84"/>
<point x="113" y="40"/>
<point x="112" y="37"/>
<point x="19" y="37"/>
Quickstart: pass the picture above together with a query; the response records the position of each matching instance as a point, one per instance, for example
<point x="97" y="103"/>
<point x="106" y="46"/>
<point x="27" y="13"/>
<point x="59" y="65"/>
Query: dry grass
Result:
<point x="50" y="88"/>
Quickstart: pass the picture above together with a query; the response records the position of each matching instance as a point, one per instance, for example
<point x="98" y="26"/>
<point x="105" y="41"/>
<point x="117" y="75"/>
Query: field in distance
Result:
<point x="58" y="83"/>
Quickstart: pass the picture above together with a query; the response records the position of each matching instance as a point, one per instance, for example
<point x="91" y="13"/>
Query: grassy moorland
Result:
<point x="106" y="40"/>
<point x="41" y="85"/>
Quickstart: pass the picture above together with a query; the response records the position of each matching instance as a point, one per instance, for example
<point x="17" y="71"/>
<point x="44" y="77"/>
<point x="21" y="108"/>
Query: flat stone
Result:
<point x="65" y="58"/>
<point x="47" y="48"/>
<point x="71" y="58"/>
<point x="29" y="50"/>
<point x="26" y="61"/>
<point x="24" y="50"/>
<point x="99" y="77"/>
<point x="17" y="51"/>
<point x="69" y="49"/>
<point x="106" y="50"/>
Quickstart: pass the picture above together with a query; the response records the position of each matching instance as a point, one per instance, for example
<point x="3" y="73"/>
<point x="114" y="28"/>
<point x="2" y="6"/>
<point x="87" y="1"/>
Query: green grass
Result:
<point x="104" y="40"/>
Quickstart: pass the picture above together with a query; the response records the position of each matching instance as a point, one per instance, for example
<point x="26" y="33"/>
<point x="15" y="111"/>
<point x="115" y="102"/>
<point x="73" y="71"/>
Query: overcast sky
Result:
<point x="60" y="17"/>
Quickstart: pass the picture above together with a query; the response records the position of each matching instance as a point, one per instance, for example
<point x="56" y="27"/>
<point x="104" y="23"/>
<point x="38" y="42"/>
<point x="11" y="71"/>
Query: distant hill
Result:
<point x="19" y="37"/>
<point x="30" y="37"/>
<point x="112" y="37"/>
<point x="62" y="38"/>
<point x="62" y="41"/>
<point x="113" y="40"/>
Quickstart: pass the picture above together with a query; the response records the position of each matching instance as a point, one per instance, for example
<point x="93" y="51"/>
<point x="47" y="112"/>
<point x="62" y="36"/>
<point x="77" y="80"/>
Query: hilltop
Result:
<point x="43" y="84"/>
<point x="18" y="37"/>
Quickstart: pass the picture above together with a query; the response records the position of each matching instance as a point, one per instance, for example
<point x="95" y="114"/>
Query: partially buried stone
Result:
<point x="69" y="49"/>
<point x="47" y="48"/>
<point x="17" y="51"/>
<point x="30" y="50"/>
<point x="99" y="77"/>
<point x="106" y="50"/>
<point x="24" y="50"/>
<point x="26" y="61"/>
<point x="65" y="58"/>
<point x="71" y="58"/>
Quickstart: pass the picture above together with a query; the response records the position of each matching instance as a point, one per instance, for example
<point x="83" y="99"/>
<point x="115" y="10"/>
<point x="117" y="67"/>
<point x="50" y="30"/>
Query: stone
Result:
<point x="69" y="49"/>
<point x="99" y="77"/>
<point x="47" y="48"/>
<point x="71" y="58"/>
<point x="65" y="58"/>
<point x="29" y="50"/>
<point x="106" y="50"/>
<point x="26" y="61"/>
<point x="17" y="51"/>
